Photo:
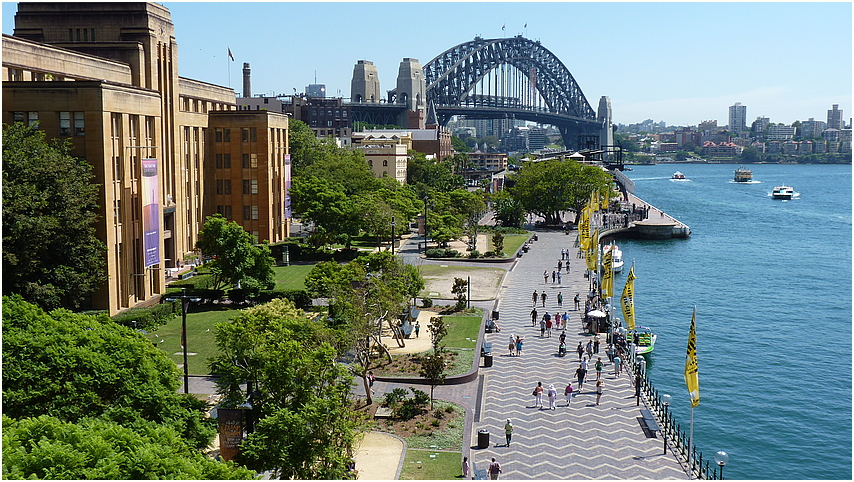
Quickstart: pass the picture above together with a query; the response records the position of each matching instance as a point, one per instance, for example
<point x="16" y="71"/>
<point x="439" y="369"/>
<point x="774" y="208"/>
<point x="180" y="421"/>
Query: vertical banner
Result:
<point x="230" y="425"/>
<point x="287" y="186"/>
<point x="692" y="378"/>
<point x="150" y="212"/>
<point x="628" y="300"/>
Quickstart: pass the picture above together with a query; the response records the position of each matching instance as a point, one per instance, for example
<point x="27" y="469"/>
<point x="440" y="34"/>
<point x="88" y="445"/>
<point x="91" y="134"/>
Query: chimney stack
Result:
<point x="247" y="89"/>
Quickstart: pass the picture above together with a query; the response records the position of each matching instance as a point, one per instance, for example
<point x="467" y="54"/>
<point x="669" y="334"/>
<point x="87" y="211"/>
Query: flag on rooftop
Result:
<point x="229" y="54"/>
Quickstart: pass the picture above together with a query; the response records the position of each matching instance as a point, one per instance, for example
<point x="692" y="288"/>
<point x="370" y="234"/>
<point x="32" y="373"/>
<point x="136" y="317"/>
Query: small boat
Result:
<point x="782" y="192"/>
<point x="644" y="340"/>
<point x="678" y="176"/>
<point x="616" y="257"/>
<point x="743" y="175"/>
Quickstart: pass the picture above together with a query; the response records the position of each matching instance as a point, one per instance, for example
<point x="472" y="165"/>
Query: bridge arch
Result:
<point x="474" y="74"/>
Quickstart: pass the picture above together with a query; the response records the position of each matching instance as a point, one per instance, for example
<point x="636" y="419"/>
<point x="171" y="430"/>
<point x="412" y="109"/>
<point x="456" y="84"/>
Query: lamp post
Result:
<point x="425" y="223"/>
<point x="721" y="458"/>
<point x="640" y="373"/>
<point x="665" y="400"/>
<point x="185" y="305"/>
<point x="393" y="224"/>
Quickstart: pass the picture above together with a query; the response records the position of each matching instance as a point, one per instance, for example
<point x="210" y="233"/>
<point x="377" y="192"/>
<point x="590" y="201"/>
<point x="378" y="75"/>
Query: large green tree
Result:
<point x="73" y="366"/>
<point x="51" y="255"/>
<point x="236" y="258"/>
<point x="306" y="425"/>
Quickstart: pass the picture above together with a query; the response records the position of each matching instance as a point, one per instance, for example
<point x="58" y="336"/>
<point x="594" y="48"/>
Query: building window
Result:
<point x="385" y="163"/>
<point x="370" y="163"/>
<point x="224" y="209"/>
<point x="253" y="134"/>
<point x="253" y="160"/>
<point x="246" y="186"/>
<point x="254" y="213"/>
<point x="226" y="135"/>
<point x="244" y="134"/>
<point x="218" y="135"/>
<point x="226" y="161"/>
<point x="92" y="36"/>
<point x="247" y="213"/>
<point x="245" y="161"/>
<point x="65" y="124"/>
<point x="79" y="128"/>
<point x="71" y="35"/>
<point x="254" y="187"/>
<point x="219" y="161"/>
<point x="223" y="186"/>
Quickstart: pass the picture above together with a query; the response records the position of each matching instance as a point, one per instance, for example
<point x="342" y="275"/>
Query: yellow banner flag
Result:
<point x="628" y="300"/>
<point x="593" y="252"/>
<point x="692" y="378"/>
<point x="607" y="274"/>
<point x="584" y="229"/>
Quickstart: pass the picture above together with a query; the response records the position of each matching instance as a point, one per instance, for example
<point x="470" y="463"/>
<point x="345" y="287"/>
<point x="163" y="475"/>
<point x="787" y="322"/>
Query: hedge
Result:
<point x="149" y="317"/>
<point x="442" y="253"/>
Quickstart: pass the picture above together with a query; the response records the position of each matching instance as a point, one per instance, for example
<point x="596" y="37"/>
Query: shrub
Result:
<point x="426" y="302"/>
<point x="149" y="317"/>
<point x="435" y="253"/>
<point x="435" y="423"/>
<point x="474" y="254"/>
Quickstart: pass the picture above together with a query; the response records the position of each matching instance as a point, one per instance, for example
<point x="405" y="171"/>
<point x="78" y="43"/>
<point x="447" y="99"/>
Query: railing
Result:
<point x="670" y="429"/>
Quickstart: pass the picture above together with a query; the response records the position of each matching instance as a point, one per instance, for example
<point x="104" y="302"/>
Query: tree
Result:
<point x="459" y="289"/>
<point x="324" y="203"/>
<point x="498" y="244"/>
<point x="508" y="211"/>
<point x="236" y="259"/>
<point x="51" y="255"/>
<point x="73" y="366"/>
<point x="438" y="330"/>
<point x="343" y="167"/>
<point x="433" y="370"/>
<point x="306" y="426"/>
<point x="459" y="145"/>
<point x="302" y="144"/>
<point x="46" y="447"/>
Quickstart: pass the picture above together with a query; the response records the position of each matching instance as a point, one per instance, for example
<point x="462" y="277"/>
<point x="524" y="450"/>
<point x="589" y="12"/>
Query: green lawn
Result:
<point x="291" y="277"/>
<point x="512" y="242"/>
<point x="462" y="331"/>
<point x="420" y="464"/>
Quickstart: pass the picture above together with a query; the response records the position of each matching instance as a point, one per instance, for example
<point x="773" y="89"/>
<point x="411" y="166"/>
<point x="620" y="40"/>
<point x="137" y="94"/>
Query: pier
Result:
<point x="655" y="224"/>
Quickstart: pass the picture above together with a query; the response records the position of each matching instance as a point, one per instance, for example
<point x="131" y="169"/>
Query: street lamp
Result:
<point x="721" y="458"/>
<point x="640" y="373"/>
<point x="665" y="400"/>
<point x="185" y="305"/>
<point x="425" y="223"/>
<point x="393" y="224"/>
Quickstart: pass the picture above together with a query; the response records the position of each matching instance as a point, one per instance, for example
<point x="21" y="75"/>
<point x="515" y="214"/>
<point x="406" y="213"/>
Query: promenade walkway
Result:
<point x="583" y="440"/>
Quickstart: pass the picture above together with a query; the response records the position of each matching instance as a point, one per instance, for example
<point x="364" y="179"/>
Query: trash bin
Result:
<point x="483" y="438"/>
<point x="536" y="238"/>
<point x="487" y="360"/>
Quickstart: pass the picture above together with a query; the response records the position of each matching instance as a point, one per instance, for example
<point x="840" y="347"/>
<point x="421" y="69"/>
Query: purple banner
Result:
<point x="150" y="212"/>
<point x="287" y="186"/>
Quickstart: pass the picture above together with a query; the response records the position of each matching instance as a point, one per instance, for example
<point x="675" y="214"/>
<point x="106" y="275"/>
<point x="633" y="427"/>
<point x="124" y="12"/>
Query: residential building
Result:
<point x="790" y="148"/>
<point x="780" y="133"/>
<point x="315" y="90"/>
<point x="812" y="128"/>
<point x="722" y="151"/>
<point x="386" y="154"/>
<point x="834" y="118"/>
<point x="759" y="125"/>
<point x="536" y="138"/>
<point x="433" y="140"/>
<point x="490" y="161"/>
<point x="737" y="118"/>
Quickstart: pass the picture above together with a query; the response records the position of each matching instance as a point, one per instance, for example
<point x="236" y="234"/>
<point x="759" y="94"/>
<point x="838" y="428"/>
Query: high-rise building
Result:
<point x="737" y="118"/>
<point x="812" y="128"/>
<point x="316" y="90"/>
<point x="834" y="118"/>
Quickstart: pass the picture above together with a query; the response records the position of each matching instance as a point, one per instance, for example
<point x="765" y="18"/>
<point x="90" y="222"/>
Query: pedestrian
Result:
<point x="534" y="312"/>
<point x="535" y="296"/>
<point x="508" y="431"/>
<point x="599" y="385"/>
<point x="562" y="254"/>
<point x="559" y="299"/>
<point x="596" y="344"/>
<point x="563" y="336"/>
<point x="553" y="276"/>
<point x="512" y="345"/>
<point x="618" y="366"/>
<point x="590" y="349"/>
<point x="494" y="469"/>
<point x="567" y="392"/>
<point x="567" y="263"/>
<point x="519" y="345"/>
<point x="543" y="298"/>
<point x="560" y="263"/>
<point x="599" y="366"/>
<point x="371" y="381"/>
<point x="580" y="350"/>
<point x="552" y="396"/>
<point x="465" y="468"/>
<point x="565" y="319"/>
<point x="580" y="373"/>
<point x="576" y="301"/>
<point x="538" y="395"/>
<point x="417" y="328"/>
<point x="559" y="278"/>
<point x="543" y="326"/>
<point x="545" y="276"/>
<point x="585" y="364"/>
<point x="549" y="325"/>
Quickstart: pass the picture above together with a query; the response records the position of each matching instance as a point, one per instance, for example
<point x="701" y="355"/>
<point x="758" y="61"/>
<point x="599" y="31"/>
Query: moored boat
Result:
<point x="644" y="340"/>
<point x="782" y="192"/>
<point x="616" y="257"/>
<point x="678" y="176"/>
<point x="743" y="175"/>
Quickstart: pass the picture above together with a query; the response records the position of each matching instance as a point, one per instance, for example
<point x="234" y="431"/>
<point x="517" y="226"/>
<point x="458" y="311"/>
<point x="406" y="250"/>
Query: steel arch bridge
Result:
<point x="510" y="78"/>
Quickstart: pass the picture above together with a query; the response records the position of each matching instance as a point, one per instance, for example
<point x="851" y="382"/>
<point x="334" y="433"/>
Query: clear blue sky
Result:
<point x="681" y="62"/>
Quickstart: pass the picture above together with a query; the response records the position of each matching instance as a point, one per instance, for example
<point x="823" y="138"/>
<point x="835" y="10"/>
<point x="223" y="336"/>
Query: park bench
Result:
<point x="649" y="420"/>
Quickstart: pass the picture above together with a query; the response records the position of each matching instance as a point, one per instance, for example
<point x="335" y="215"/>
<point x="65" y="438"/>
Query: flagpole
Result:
<point x="691" y="443"/>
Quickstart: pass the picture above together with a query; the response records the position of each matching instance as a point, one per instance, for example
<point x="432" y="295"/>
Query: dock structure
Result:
<point x="652" y="224"/>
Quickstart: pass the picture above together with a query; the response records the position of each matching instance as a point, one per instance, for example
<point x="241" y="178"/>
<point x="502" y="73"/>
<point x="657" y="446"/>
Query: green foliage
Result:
<point x="442" y="253"/>
<point x="45" y="447"/>
<point x="509" y="212"/>
<point x="148" y="317"/>
<point x="498" y="243"/>
<point x="324" y="203"/>
<point x="302" y="143"/>
<point x="438" y="329"/>
<point x="433" y="370"/>
<point x="72" y="366"/>
<point x="426" y="302"/>
<point x="404" y="408"/>
<point x="51" y="254"/>
<point x="237" y="260"/>
<point x="392" y="398"/>
<point x="459" y="290"/>
<point x="198" y="282"/>
<point x="474" y="254"/>
<point x="306" y="426"/>
<point x="429" y="175"/>
<point x="459" y="145"/>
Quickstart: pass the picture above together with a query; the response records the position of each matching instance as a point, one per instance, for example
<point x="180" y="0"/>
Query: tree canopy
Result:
<point x="51" y="255"/>
<point x="236" y="259"/>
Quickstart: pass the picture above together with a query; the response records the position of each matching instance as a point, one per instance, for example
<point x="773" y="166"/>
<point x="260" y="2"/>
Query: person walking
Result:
<point x="590" y="349"/>
<point x="508" y="431"/>
<point x="567" y="263"/>
<point x="494" y="470"/>
<point x="580" y="374"/>
<point x="534" y="312"/>
<point x="543" y="296"/>
<point x="552" y="396"/>
<point x="465" y="468"/>
<point x="512" y="345"/>
<point x="549" y="325"/>
<point x="371" y="381"/>
<point x="565" y="319"/>
<point x="519" y="345"/>
<point x="559" y="278"/>
<point x="545" y="276"/>
<point x="599" y="366"/>
<point x="535" y="296"/>
<point x="599" y="386"/>
<point x="567" y="392"/>
<point x="580" y="351"/>
<point x="538" y="395"/>
<point x="560" y="263"/>
<point x="618" y="366"/>
<point x="596" y="344"/>
<point x="563" y="336"/>
<point x="417" y="328"/>
<point x="543" y="326"/>
<point x="577" y="302"/>
<point x="559" y="299"/>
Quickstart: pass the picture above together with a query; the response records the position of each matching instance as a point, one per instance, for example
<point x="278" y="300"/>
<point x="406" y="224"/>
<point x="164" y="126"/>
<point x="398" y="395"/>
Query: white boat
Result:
<point x="644" y="340"/>
<point x="743" y="175"/>
<point x="678" y="176"/>
<point x="782" y="192"/>
<point x="616" y="257"/>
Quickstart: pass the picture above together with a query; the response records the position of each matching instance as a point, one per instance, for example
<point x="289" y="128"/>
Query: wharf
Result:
<point x="656" y="225"/>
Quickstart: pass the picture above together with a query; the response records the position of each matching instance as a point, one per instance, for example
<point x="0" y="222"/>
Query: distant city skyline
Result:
<point x="660" y="61"/>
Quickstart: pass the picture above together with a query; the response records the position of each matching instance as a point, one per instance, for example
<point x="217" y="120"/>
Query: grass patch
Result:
<point x="431" y="465"/>
<point x="512" y="242"/>
<point x="462" y="330"/>
<point x="291" y="277"/>
<point x="200" y="336"/>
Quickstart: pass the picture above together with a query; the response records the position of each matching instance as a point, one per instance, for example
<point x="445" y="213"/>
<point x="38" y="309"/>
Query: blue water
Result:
<point x="771" y="281"/>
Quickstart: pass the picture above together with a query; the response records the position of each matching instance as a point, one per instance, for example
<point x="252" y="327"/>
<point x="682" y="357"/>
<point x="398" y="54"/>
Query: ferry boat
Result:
<point x="644" y="340"/>
<point x="782" y="192"/>
<point x="616" y="257"/>
<point x="743" y="175"/>
<point x="678" y="176"/>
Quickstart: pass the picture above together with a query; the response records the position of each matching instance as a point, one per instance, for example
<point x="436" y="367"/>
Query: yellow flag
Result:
<point x="628" y="300"/>
<point x="692" y="379"/>
<point x="584" y="229"/>
<point x="593" y="251"/>
<point x="607" y="274"/>
<point x="606" y="204"/>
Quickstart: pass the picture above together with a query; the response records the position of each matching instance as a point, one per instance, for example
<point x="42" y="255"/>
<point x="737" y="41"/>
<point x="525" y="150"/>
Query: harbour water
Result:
<point x="771" y="281"/>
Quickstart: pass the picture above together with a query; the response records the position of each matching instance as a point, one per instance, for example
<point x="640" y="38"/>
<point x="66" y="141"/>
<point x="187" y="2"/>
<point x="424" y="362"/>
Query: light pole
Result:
<point x="721" y="458"/>
<point x="639" y="375"/>
<point x="425" y="224"/>
<point x="393" y="224"/>
<point x="185" y="305"/>
<point x="665" y="399"/>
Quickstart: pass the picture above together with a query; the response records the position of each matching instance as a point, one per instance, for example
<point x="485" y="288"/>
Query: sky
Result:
<point x="678" y="62"/>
